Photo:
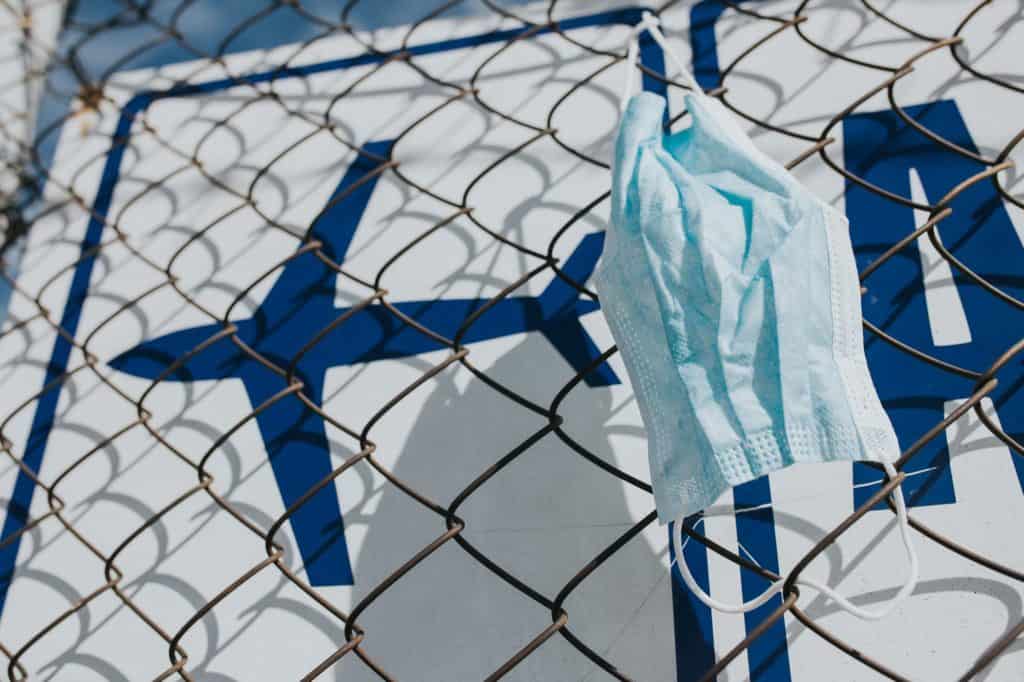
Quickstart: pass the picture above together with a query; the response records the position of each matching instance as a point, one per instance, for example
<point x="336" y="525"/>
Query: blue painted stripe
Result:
<point x="46" y="407"/>
<point x="703" y="43"/>
<point x="626" y="15"/>
<point x="768" y="655"/>
<point x="695" y="644"/>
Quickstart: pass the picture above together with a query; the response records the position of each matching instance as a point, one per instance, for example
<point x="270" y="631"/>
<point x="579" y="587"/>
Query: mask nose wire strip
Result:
<point x="774" y="588"/>
<point x="650" y="22"/>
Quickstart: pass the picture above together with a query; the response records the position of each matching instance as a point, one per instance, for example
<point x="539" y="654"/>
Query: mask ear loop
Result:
<point x="650" y="23"/>
<point x="776" y="587"/>
<point x="631" y="58"/>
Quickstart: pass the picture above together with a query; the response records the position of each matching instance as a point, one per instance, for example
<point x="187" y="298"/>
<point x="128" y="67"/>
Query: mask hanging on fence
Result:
<point x="733" y="296"/>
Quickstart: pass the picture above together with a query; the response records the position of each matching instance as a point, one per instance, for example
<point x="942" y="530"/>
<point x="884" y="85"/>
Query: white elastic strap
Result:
<point x="650" y="23"/>
<point x="631" y="56"/>
<point x="775" y="587"/>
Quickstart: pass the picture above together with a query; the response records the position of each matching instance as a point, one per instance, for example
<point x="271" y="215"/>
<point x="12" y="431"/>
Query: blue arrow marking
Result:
<point x="301" y="304"/>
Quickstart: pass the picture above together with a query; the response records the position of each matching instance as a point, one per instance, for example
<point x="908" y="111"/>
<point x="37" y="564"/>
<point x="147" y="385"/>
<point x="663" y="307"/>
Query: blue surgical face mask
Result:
<point x="733" y="296"/>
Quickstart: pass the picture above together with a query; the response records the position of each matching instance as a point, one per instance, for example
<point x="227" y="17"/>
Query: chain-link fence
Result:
<point x="25" y="169"/>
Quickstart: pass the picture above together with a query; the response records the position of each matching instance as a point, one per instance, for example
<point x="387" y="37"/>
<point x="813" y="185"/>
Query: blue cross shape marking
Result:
<point x="301" y="304"/>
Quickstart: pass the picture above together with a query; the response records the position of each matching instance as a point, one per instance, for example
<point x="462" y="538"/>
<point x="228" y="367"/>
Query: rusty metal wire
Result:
<point x="29" y="168"/>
